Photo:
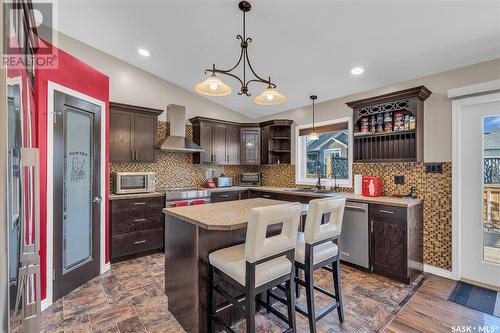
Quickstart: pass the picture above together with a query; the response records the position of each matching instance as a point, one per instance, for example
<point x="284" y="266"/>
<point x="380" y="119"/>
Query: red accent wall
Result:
<point x="76" y="75"/>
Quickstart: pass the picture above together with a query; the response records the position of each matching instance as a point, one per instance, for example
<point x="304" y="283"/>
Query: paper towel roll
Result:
<point x="358" y="184"/>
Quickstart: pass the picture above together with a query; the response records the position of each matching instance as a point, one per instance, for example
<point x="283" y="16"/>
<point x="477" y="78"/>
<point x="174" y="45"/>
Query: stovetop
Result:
<point x="184" y="193"/>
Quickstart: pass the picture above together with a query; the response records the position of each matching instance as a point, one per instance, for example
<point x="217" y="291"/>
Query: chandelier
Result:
<point x="213" y="85"/>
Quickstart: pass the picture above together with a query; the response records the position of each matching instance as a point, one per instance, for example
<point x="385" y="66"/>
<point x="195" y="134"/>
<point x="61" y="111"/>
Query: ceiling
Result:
<point x="305" y="46"/>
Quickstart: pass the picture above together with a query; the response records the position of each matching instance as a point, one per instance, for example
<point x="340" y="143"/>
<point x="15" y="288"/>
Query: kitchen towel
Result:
<point x="358" y="184"/>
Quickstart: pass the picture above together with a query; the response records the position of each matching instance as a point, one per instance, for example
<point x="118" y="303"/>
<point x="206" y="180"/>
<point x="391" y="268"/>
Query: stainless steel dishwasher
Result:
<point x="353" y="240"/>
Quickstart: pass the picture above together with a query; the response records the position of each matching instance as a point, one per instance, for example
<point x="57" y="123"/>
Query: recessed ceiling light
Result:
<point x="358" y="70"/>
<point x="143" y="52"/>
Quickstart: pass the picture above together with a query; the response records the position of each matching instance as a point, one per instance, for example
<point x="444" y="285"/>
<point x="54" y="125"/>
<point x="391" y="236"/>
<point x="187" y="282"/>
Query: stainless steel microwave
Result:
<point x="133" y="182"/>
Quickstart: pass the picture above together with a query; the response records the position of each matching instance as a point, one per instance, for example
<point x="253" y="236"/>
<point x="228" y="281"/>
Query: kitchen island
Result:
<point x="191" y="233"/>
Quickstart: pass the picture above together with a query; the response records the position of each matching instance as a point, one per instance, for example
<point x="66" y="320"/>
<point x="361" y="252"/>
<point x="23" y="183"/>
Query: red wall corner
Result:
<point x="76" y="75"/>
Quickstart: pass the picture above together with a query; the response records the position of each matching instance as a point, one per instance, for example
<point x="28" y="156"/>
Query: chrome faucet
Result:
<point x="318" y="170"/>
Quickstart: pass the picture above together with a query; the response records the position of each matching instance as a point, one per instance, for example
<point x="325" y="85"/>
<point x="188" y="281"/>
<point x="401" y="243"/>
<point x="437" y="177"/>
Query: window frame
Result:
<point x="301" y="155"/>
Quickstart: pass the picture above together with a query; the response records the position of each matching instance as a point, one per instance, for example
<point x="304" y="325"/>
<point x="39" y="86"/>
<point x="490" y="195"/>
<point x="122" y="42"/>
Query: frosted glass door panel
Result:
<point x="78" y="162"/>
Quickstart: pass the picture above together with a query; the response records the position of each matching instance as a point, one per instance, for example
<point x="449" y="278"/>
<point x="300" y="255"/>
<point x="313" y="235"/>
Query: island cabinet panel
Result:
<point x="396" y="241"/>
<point x="132" y="133"/>
<point x="228" y="196"/>
<point x="136" y="226"/>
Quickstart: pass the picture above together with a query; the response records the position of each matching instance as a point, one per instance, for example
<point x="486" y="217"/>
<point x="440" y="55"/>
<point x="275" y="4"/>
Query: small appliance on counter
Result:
<point x="223" y="181"/>
<point x="372" y="186"/>
<point x="250" y="179"/>
<point x="133" y="182"/>
<point x="209" y="176"/>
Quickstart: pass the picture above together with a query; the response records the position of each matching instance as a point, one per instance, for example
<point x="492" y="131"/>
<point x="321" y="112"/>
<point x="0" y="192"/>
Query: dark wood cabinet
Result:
<point x="232" y="145"/>
<point x="396" y="241"/>
<point x="132" y="133"/>
<point x="221" y="141"/>
<point x="136" y="225"/>
<point x="221" y="196"/>
<point x="276" y="142"/>
<point x="250" y="146"/>
<point x="390" y="127"/>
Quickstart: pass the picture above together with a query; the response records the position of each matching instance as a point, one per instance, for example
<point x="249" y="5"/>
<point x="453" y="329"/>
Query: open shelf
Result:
<point x="371" y="135"/>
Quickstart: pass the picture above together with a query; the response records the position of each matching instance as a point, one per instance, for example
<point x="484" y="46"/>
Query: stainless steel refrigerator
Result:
<point x="22" y="227"/>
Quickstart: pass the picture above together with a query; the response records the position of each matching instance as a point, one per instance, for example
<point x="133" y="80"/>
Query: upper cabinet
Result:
<point x="390" y="127"/>
<point x="276" y="142"/>
<point x="229" y="143"/>
<point x="220" y="139"/>
<point x="250" y="146"/>
<point x="132" y="133"/>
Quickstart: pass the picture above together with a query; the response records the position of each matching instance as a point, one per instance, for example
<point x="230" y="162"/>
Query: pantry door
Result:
<point x="477" y="132"/>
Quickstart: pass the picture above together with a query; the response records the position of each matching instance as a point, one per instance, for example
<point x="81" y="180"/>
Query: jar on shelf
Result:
<point x="364" y="125"/>
<point x="373" y="124"/>
<point x="413" y="123"/>
<point x="399" y="121"/>
<point x="380" y="123"/>
<point x="407" y="123"/>
<point x="388" y="122"/>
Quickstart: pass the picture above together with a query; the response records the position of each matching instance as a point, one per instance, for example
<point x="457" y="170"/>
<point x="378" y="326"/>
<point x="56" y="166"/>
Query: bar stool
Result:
<point x="259" y="264"/>
<point x="316" y="249"/>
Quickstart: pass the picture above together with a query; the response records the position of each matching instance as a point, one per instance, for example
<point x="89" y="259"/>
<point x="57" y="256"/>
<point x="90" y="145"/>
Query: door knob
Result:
<point x="97" y="200"/>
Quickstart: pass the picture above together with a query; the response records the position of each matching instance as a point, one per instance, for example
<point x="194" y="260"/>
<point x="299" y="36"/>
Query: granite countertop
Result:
<point x="113" y="196"/>
<point x="229" y="215"/>
<point x="391" y="201"/>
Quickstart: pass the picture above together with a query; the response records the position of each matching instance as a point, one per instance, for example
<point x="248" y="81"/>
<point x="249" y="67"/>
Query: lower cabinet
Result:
<point x="396" y="237"/>
<point x="136" y="225"/>
<point x="228" y="196"/>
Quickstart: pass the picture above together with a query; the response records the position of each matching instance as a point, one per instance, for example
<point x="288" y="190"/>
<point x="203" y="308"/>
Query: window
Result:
<point x="329" y="155"/>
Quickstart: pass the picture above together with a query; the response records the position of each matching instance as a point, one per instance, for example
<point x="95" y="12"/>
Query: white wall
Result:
<point x="132" y="85"/>
<point x="437" y="124"/>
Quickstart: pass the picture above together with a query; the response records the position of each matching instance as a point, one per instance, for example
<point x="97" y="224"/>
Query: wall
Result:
<point x="437" y="122"/>
<point x="76" y="75"/>
<point x="132" y="85"/>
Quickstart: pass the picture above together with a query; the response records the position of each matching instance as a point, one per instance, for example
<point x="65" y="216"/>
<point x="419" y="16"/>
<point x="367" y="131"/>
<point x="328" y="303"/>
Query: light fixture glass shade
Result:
<point x="313" y="136"/>
<point x="270" y="96"/>
<point x="213" y="86"/>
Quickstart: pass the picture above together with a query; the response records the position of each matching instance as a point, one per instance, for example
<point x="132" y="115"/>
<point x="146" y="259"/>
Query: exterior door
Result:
<point x="479" y="187"/>
<point x="76" y="192"/>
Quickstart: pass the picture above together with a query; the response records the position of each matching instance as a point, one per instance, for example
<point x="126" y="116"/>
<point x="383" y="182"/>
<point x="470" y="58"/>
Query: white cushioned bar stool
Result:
<point x="316" y="249"/>
<point x="259" y="264"/>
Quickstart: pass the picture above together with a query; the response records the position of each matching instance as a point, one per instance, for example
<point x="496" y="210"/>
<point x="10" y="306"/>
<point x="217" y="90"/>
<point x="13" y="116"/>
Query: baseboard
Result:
<point x="438" y="271"/>
<point x="45" y="304"/>
<point x="106" y="267"/>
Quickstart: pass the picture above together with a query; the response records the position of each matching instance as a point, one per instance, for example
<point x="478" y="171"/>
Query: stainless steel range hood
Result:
<point x="177" y="141"/>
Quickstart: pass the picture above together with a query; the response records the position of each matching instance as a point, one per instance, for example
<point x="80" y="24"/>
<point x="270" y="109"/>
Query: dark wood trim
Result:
<point x="197" y="120"/>
<point x="421" y="92"/>
<point x="277" y="122"/>
<point x="134" y="108"/>
<point x="324" y="129"/>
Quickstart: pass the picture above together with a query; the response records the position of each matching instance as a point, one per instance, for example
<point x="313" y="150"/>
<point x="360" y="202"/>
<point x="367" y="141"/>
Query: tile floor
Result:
<point x="129" y="298"/>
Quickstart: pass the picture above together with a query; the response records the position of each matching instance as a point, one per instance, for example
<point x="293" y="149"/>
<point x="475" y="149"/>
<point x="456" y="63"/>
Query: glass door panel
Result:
<point x="491" y="189"/>
<point x="77" y="212"/>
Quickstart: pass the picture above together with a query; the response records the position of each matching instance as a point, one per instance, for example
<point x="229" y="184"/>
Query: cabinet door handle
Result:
<point x="139" y="203"/>
<point x="355" y="208"/>
<point x="224" y="195"/>
<point x="386" y="211"/>
<point x="266" y="196"/>
<point x="140" y="242"/>
<point x="139" y="220"/>
<point x="136" y="155"/>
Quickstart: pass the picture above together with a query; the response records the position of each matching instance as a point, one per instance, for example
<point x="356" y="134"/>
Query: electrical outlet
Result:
<point x="433" y="167"/>
<point x="399" y="180"/>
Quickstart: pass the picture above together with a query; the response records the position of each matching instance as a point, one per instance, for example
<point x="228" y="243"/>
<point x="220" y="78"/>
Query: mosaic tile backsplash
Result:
<point x="178" y="170"/>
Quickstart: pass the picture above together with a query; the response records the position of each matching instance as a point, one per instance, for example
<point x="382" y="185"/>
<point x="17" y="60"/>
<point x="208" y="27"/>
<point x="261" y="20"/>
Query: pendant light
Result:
<point x="313" y="136"/>
<point x="213" y="86"/>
